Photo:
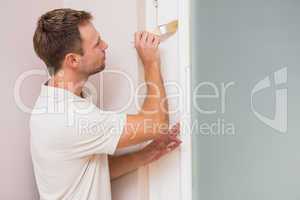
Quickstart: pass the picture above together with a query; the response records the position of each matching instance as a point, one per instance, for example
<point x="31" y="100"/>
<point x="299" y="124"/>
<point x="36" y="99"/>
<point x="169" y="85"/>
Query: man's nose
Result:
<point x="105" y="45"/>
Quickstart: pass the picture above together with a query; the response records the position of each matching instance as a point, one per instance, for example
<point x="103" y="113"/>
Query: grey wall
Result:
<point x="244" y="41"/>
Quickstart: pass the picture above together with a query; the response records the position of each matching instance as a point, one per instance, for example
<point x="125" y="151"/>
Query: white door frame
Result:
<point x="185" y="101"/>
<point x="185" y="81"/>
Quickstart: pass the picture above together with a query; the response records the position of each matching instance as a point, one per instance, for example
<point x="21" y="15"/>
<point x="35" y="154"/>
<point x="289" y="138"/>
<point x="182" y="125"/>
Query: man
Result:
<point x="72" y="140"/>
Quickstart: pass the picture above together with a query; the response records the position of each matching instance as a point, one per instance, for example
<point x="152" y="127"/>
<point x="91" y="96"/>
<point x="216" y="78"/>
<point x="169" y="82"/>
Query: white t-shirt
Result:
<point x="70" y="140"/>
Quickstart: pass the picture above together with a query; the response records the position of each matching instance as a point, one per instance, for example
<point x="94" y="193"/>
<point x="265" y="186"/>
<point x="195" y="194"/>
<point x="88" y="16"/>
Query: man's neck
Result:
<point x="68" y="82"/>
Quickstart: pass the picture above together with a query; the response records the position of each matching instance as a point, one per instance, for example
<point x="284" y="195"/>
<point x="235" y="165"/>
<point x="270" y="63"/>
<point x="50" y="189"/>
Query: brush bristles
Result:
<point x="172" y="26"/>
<point x="168" y="28"/>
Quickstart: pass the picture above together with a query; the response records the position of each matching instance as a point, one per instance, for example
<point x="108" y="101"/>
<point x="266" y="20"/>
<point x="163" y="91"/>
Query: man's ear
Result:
<point x="73" y="60"/>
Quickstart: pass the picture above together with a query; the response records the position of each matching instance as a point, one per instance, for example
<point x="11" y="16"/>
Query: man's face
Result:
<point x="93" y="59"/>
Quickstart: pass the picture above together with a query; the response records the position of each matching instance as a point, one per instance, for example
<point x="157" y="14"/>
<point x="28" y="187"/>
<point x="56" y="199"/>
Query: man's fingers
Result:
<point x="177" y="140"/>
<point x="175" y="130"/>
<point x="174" y="140"/>
<point x="172" y="136"/>
<point x="147" y="37"/>
<point x="173" y="146"/>
<point x="161" y="149"/>
<point x="144" y="37"/>
<point x="171" y="141"/>
<point x="137" y="38"/>
<point x="150" y="39"/>
<point x="176" y="126"/>
<point x="156" y="40"/>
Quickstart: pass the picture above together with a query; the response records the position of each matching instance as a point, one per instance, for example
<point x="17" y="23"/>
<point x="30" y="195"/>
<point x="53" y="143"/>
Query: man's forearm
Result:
<point x="155" y="104"/>
<point x="121" y="165"/>
<point x="152" y="119"/>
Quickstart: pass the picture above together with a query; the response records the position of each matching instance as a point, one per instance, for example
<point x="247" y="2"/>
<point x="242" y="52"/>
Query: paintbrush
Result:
<point x="165" y="30"/>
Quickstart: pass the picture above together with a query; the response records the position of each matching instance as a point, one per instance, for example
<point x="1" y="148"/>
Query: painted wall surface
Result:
<point x="18" y="21"/>
<point x="254" y="44"/>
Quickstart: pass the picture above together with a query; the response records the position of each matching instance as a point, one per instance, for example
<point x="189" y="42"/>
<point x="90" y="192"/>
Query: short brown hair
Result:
<point x="57" y="34"/>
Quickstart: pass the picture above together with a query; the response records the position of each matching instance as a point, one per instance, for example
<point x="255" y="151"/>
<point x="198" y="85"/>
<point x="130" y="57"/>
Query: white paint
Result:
<point x="185" y="105"/>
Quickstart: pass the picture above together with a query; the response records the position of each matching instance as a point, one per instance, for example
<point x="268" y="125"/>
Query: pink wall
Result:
<point x="18" y="19"/>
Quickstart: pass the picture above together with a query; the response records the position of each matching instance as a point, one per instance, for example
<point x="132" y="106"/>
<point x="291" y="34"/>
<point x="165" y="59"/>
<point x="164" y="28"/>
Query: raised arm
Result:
<point x="153" y="118"/>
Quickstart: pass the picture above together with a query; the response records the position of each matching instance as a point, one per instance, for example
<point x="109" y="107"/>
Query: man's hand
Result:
<point x="121" y="165"/>
<point x="146" y="44"/>
<point x="162" y="145"/>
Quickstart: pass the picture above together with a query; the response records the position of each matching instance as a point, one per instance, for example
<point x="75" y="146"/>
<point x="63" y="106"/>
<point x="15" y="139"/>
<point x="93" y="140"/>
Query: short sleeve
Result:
<point x="93" y="131"/>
